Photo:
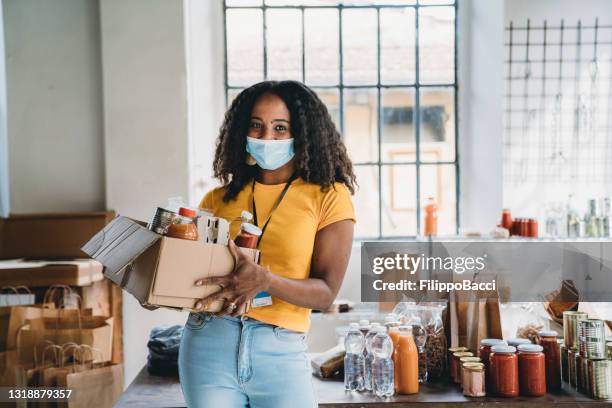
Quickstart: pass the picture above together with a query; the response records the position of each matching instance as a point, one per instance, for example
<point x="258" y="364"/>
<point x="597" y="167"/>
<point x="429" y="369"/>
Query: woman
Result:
<point x="280" y="157"/>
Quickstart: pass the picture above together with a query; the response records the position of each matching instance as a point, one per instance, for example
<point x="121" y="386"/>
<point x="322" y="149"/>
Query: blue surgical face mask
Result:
<point x="270" y="154"/>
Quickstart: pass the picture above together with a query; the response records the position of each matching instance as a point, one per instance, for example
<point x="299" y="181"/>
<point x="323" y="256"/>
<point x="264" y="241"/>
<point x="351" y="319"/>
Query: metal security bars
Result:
<point x="388" y="74"/>
<point x="558" y="126"/>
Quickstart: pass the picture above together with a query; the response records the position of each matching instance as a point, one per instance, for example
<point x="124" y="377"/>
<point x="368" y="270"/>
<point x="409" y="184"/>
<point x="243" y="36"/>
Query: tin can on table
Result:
<point x="600" y="378"/>
<point x="609" y="350"/>
<point x="571" y="366"/>
<point x="564" y="367"/>
<point x="592" y="338"/>
<point x="570" y="327"/>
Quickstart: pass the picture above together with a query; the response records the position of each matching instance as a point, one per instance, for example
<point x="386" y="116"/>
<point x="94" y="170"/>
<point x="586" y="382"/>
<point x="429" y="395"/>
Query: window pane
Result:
<point x="359" y="46"/>
<point x="244" y="46"/>
<point x="301" y="3"/>
<point x="397" y="46"/>
<point x="398" y="138"/>
<point x="231" y="95"/>
<point x="321" y="43"/>
<point x="331" y="99"/>
<point x="284" y="36"/>
<point x="438" y="181"/>
<point x="399" y="200"/>
<point x="437" y="124"/>
<point x="360" y="126"/>
<point x="366" y="202"/>
<point x="437" y="45"/>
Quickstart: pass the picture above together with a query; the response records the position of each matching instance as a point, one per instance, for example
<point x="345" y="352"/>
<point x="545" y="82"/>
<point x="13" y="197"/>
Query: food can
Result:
<point x="571" y="366"/>
<point x="564" y="372"/>
<point x="600" y="378"/>
<point x="609" y="350"/>
<point x="570" y="327"/>
<point x="592" y="338"/>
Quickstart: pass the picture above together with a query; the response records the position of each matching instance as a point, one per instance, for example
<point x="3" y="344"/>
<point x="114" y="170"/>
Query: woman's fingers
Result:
<point x="239" y="302"/>
<point x="235" y="252"/>
<point x="222" y="294"/>
<point x="222" y="281"/>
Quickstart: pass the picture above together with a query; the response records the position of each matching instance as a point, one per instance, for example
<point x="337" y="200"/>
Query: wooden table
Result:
<point x="150" y="392"/>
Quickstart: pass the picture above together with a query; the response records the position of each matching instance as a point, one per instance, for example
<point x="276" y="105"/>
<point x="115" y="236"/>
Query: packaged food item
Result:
<point x="435" y="347"/>
<point x="431" y="218"/>
<point x="592" y="338"/>
<point x="532" y="370"/>
<point x="503" y="371"/>
<point x="328" y="363"/>
<point x="462" y="362"/>
<point x="456" y="365"/>
<point x="484" y="353"/>
<point x="517" y="342"/>
<point x="570" y="327"/>
<point x="248" y="237"/>
<point x="184" y="226"/>
<point x="552" y="353"/>
<point x="408" y="361"/>
<point x="474" y="380"/>
<point x="213" y="230"/>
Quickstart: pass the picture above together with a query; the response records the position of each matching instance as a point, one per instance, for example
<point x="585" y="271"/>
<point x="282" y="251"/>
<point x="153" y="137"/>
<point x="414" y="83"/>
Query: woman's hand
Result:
<point x="239" y="287"/>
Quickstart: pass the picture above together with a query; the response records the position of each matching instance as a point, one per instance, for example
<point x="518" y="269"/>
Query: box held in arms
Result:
<point x="159" y="270"/>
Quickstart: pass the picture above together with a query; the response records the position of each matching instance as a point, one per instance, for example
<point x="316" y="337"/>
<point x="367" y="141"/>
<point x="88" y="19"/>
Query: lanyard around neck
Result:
<point x="276" y="204"/>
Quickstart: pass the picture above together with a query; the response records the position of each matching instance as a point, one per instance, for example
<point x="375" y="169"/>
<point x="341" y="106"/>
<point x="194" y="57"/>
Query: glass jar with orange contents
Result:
<point x="552" y="355"/>
<point x="184" y="225"/>
<point x="532" y="370"/>
<point x="503" y="371"/>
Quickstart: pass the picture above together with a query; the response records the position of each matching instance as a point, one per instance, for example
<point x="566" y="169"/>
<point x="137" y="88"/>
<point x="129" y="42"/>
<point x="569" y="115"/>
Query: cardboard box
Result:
<point x="76" y="272"/>
<point x="49" y="236"/>
<point x="158" y="270"/>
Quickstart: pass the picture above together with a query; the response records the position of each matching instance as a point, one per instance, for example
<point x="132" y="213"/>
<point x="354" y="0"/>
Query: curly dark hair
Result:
<point x="320" y="154"/>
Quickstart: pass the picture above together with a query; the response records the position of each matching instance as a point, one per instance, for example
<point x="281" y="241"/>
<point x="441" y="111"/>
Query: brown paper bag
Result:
<point x="100" y="386"/>
<point x="474" y="316"/>
<point x="94" y="331"/>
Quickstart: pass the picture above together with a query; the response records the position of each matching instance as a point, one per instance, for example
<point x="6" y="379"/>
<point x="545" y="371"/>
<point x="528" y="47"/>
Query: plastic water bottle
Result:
<point x="369" y="357"/>
<point x="354" y="344"/>
<point x="382" y="366"/>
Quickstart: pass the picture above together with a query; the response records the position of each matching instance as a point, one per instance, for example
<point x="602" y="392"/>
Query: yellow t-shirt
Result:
<point x="288" y="242"/>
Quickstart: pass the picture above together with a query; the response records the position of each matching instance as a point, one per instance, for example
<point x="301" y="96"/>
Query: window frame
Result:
<point x="340" y="87"/>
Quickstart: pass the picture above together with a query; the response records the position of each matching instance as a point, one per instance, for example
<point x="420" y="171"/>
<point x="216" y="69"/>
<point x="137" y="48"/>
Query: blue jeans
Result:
<point x="234" y="362"/>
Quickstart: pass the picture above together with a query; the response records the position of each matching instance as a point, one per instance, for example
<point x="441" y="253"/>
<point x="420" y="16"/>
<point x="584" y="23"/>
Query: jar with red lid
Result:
<point x="483" y="353"/>
<point x="552" y="354"/>
<point x="532" y="370"/>
<point x="184" y="225"/>
<point x="503" y="371"/>
<point x="506" y="220"/>
<point x="248" y="236"/>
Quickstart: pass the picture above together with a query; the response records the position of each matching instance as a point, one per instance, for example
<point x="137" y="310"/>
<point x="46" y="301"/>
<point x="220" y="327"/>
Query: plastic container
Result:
<point x="408" y="361"/>
<point x="369" y="356"/>
<point x="353" y="360"/>
<point x="383" y="383"/>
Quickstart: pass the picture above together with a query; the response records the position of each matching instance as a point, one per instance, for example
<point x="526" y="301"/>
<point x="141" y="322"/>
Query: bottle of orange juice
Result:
<point x="394" y="333"/>
<point x="431" y="218"/>
<point x="408" y="359"/>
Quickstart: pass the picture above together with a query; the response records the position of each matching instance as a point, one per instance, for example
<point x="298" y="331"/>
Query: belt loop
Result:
<point x="243" y="318"/>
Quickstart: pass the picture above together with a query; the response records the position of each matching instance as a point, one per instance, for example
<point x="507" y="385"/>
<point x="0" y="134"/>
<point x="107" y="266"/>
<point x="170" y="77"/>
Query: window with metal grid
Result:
<point x="387" y="72"/>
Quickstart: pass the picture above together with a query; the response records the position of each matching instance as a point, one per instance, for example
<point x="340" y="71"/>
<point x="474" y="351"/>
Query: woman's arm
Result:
<point x="331" y="253"/>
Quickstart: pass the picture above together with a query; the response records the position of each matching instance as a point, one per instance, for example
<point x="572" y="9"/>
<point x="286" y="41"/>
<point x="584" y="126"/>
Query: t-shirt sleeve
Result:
<point x="208" y="202"/>
<point x="336" y="206"/>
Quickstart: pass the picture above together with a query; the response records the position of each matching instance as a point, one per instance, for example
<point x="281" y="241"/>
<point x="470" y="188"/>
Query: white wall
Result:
<point x="4" y="165"/>
<point x="54" y="105"/>
<point x="555" y="10"/>
<point x="147" y="119"/>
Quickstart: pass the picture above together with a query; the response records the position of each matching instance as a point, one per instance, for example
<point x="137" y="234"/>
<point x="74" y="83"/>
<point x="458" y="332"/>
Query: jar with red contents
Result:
<point x="503" y="371"/>
<point x="552" y="354"/>
<point x="532" y="370"/>
<point x="248" y="236"/>
<point x="506" y="220"/>
<point x="483" y="353"/>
